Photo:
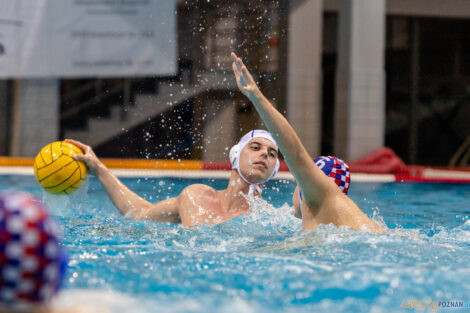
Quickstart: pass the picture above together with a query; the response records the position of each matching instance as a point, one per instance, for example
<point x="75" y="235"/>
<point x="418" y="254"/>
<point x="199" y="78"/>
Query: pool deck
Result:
<point x="204" y="169"/>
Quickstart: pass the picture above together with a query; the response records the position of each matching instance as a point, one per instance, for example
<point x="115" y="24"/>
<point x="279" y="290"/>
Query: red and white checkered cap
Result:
<point x="32" y="262"/>
<point x="336" y="169"/>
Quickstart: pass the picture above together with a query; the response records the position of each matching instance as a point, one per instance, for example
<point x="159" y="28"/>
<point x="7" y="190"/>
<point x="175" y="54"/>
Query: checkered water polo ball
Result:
<point x="56" y="170"/>
<point x="336" y="169"/>
<point x="32" y="262"/>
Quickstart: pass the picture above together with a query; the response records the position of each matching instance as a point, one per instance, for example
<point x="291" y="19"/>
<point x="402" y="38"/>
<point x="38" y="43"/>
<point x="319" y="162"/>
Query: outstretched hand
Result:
<point x="245" y="81"/>
<point x="89" y="157"/>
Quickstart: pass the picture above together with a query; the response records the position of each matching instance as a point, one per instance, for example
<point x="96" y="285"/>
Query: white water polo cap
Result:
<point x="237" y="149"/>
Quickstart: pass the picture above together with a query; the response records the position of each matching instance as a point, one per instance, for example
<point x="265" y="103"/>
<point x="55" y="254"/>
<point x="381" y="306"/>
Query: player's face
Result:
<point x="258" y="160"/>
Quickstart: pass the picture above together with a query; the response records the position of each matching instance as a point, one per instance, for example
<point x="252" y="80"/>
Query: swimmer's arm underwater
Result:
<point x="126" y="201"/>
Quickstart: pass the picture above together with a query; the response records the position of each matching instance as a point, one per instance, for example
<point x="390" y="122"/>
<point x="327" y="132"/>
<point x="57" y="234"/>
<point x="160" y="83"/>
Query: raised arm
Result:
<point x="314" y="184"/>
<point x="126" y="201"/>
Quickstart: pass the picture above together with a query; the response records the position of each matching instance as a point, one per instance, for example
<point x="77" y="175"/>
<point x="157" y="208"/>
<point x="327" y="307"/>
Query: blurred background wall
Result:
<point x="351" y="76"/>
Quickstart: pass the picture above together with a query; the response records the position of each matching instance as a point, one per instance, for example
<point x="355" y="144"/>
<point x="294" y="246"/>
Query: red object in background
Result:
<point x="273" y="41"/>
<point x="380" y="161"/>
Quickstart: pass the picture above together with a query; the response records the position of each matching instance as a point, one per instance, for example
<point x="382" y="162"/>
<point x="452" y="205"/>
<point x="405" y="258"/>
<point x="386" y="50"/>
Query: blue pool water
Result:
<point x="263" y="262"/>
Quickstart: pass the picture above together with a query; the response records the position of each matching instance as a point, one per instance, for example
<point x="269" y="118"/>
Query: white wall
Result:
<point x="360" y="79"/>
<point x="35" y="116"/>
<point x="304" y="72"/>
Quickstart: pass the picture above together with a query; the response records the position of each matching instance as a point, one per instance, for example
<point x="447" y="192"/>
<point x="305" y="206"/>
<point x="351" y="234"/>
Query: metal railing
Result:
<point x="461" y="157"/>
<point x="119" y="88"/>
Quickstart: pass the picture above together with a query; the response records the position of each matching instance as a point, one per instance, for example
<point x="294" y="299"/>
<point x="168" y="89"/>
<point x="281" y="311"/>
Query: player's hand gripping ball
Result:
<point x="56" y="170"/>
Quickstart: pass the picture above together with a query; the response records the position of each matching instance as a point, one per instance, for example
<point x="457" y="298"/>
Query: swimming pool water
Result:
<point x="263" y="262"/>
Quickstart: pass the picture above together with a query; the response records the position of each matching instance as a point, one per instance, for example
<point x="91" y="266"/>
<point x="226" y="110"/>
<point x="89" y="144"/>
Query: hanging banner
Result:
<point x="87" y="38"/>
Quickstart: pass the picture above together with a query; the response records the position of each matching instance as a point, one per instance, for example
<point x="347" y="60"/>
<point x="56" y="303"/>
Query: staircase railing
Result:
<point x="461" y="157"/>
<point x="119" y="88"/>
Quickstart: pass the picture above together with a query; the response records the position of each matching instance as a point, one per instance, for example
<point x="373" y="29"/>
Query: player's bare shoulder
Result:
<point x="198" y="195"/>
<point x="198" y="190"/>
<point x="197" y="204"/>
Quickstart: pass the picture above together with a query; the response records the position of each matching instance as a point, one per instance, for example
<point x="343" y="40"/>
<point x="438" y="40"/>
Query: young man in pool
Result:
<point x="322" y="201"/>
<point x="254" y="161"/>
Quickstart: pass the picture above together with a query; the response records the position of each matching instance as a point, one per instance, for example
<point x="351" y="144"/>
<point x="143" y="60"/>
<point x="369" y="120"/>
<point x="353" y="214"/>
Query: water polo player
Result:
<point x="336" y="169"/>
<point x="32" y="262"/>
<point x="322" y="201"/>
<point x="254" y="161"/>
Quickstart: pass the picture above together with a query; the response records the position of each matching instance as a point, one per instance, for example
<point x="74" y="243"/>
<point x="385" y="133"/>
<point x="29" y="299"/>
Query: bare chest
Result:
<point x="208" y="211"/>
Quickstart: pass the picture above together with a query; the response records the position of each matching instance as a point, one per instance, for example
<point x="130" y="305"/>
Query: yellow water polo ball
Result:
<point x="56" y="170"/>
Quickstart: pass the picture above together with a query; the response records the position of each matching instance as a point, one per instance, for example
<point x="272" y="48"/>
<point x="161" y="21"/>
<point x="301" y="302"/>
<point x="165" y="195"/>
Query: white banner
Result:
<point x="87" y="38"/>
